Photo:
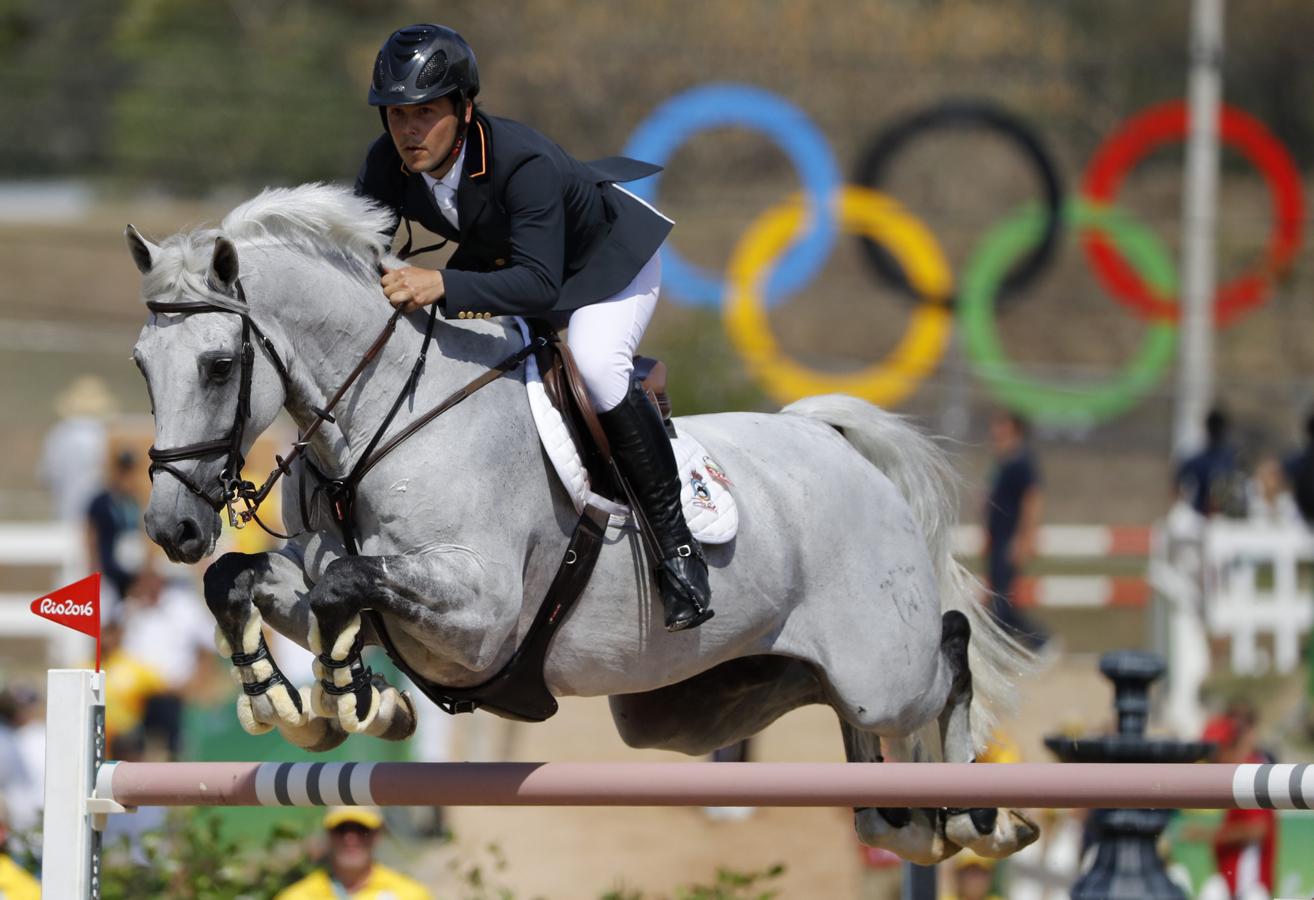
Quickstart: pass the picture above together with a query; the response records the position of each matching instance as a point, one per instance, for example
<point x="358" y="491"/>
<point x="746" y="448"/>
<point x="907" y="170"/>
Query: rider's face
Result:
<point x="425" y="133"/>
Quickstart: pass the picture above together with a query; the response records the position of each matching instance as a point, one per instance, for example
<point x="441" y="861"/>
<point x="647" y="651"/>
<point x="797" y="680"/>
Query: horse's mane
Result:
<point x="316" y="218"/>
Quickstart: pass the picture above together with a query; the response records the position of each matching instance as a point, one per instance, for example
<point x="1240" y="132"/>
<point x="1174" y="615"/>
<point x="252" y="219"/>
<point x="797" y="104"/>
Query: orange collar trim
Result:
<point x="483" y="151"/>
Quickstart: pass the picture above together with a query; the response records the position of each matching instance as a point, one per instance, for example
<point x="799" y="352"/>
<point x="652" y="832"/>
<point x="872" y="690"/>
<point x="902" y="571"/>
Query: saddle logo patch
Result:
<point x="717" y="473"/>
<point x="702" y="497"/>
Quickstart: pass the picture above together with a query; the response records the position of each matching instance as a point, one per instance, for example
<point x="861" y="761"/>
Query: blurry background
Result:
<point x="167" y="113"/>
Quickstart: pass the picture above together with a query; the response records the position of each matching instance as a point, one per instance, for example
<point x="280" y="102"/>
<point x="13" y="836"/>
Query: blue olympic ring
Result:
<point x="714" y="105"/>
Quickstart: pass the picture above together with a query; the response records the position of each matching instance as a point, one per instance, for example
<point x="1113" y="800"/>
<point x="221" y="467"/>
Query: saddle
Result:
<point x="565" y="388"/>
<point x="518" y="691"/>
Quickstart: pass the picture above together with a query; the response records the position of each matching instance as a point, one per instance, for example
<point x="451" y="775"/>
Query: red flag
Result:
<point x="75" y="606"/>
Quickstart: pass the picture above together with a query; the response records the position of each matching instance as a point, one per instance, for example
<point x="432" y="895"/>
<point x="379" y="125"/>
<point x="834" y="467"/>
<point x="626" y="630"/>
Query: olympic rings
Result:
<point x="912" y="245"/>
<point x="1077" y="405"/>
<point x="786" y="245"/>
<point x="709" y="106"/>
<point x="961" y="114"/>
<point x="1168" y="122"/>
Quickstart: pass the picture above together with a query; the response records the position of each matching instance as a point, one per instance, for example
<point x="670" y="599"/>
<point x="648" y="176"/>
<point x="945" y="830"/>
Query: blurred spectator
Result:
<point x="1299" y="471"/>
<point x="15" y="780"/>
<point x="973" y="878"/>
<point x="116" y="545"/>
<point x="129" y="683"/>
<point x="1268" y="499"/>
<point x="1245" y="842"/>
<point x="350" y="870"/>
<point x="15" y="882"/>
<point x="24" y="789"/>
<point x="167" y="627"/>
<point x="72" y="463"/>
<point x="1012" y="518"/>
<point x="1208" y="479"/>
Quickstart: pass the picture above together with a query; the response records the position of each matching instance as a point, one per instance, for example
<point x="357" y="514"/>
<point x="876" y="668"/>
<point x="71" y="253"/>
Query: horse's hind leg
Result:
<point x="239" y="587"/>
<point x="984" y="831"/>
<point x="917" y="835"/>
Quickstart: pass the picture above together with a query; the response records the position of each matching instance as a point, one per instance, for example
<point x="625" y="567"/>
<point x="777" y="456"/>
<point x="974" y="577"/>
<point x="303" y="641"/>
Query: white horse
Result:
<point x="839" y="589"/>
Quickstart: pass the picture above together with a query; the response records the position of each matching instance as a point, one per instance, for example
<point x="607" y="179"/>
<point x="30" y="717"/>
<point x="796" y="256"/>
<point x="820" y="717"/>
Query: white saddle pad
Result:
<point x="709" y="507"/>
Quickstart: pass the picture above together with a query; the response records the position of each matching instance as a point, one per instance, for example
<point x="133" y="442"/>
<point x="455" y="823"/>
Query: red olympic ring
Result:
<point x="1163" y="124"/>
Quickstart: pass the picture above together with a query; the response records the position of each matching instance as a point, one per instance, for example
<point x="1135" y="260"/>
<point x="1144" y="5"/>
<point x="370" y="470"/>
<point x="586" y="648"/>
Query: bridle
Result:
<point x="233" y="488"/>
<point x="231" y="485"/>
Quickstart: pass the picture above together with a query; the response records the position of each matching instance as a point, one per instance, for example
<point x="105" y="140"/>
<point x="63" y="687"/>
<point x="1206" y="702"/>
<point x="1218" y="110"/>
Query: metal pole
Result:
<point x="1195" y="372"/>
<point x="919" y="883"/>
<point x="75" y="747"/>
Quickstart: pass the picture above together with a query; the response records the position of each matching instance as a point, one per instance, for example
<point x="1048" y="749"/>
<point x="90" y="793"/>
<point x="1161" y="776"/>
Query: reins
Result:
<point x="234" y="489"/>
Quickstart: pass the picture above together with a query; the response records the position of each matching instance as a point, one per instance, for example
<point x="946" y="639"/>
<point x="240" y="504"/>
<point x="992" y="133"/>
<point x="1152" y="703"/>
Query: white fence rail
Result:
<point x="1227" y="578"/>
<point x="57" y="548"/>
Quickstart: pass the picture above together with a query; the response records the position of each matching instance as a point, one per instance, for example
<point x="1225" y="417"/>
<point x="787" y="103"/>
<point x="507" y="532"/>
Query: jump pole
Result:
<point x="82" y="789"/>
<point x="1022" y="785"/>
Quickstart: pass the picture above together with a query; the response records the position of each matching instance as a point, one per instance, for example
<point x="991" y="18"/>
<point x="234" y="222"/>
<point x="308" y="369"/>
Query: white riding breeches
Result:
<point x="604" y="335"/>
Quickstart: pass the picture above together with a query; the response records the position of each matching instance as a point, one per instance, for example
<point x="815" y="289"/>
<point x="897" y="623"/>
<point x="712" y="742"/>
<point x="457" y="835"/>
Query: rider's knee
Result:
<point x="606" y="373"/>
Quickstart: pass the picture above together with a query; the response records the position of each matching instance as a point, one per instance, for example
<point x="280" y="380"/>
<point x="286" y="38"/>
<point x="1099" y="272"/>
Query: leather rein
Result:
<point x="233" y="488"/>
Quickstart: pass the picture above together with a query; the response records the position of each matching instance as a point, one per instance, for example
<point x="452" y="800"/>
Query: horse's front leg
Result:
<point x="444" y="597"/>
<point x="243" y="591"/>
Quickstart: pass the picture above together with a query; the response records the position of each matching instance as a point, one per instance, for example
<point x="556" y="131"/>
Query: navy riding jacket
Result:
<point x="540" y="231"/>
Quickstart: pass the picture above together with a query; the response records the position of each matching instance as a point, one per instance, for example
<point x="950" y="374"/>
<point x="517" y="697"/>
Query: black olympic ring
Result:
<point x="966" y="113"/>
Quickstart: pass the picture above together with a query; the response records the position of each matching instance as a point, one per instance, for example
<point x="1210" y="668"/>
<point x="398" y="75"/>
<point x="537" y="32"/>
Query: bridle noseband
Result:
<point x="231" y="485"/>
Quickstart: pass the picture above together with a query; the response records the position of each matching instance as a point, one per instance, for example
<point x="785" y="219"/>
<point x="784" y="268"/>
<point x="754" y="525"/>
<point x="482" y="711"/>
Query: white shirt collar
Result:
<point x="452" y="180"/>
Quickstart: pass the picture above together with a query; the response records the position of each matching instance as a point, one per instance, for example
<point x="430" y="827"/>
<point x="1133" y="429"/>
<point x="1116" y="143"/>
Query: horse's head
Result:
<point x="215" y="384"/>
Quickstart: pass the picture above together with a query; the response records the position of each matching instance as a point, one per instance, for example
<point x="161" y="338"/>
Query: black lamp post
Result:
<point x="1127" y="864"/>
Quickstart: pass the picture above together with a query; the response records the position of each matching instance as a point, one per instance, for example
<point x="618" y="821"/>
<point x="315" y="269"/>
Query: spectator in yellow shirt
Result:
<point x="129" y="683"/>
<point x="15" y="882"/>
<point x="350" y="870"/>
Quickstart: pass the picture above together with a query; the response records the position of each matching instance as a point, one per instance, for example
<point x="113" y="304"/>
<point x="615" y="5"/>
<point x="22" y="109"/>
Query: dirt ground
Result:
<point x="561" y="853"/>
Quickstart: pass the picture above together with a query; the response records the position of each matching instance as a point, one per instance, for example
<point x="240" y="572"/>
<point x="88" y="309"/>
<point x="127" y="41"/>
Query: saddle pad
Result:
<point x="709" y="507"/>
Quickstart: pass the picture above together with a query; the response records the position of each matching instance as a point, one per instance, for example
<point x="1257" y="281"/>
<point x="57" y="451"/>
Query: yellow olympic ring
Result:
<point x="918" y="352"/>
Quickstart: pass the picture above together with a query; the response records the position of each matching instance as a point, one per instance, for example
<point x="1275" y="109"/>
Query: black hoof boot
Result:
<point x="685" y="592"/>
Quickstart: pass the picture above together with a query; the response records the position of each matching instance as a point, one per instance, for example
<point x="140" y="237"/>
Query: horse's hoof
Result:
<point x="1008" y="833"/>
<point x="919" y="841"/>
<point x="396" y="717"/>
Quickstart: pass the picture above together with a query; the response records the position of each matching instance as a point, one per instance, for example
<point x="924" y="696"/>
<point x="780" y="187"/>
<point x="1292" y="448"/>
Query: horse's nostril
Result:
<point x="187" y="532"/>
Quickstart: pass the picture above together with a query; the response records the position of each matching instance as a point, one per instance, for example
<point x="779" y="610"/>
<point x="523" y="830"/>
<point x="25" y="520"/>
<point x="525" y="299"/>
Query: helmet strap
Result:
<point x="462" y="126"/>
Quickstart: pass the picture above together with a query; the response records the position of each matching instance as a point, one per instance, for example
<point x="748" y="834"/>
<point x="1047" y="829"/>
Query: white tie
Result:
<point x="446" y="200"/>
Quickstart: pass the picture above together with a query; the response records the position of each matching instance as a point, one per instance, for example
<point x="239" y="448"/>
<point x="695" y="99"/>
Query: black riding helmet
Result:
<point x="420" y="63"/>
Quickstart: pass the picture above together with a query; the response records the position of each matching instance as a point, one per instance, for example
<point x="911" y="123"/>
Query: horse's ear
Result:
<point x="223" y="265"/>
<point x="142" y="250"/>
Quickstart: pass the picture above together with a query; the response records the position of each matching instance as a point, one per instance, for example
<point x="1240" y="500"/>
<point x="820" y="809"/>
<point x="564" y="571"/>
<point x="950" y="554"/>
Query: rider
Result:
<point x="540" y="234"/>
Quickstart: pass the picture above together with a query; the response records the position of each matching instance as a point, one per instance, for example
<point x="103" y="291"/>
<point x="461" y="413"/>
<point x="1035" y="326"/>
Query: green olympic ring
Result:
<point x="1077" y="405"/>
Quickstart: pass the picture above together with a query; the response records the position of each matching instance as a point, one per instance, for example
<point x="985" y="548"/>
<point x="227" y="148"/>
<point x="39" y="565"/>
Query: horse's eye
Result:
<point x="221" y="368"/>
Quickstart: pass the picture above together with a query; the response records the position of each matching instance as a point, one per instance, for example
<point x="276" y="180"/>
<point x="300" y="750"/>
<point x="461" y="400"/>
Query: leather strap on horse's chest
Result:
<point x="518" y="690"/>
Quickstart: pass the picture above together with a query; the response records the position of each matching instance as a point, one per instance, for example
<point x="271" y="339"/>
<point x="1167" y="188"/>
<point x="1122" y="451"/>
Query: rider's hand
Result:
<point x="412" y="288"/>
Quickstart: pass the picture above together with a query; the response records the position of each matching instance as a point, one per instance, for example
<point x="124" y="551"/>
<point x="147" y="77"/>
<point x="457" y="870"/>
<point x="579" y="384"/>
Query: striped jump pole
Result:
<point x="81" y="789"/>
<point x="1023" y="785"/>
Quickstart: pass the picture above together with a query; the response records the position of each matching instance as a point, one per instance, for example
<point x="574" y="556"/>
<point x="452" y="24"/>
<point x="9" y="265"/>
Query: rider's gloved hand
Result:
<point x="411" y="288"/>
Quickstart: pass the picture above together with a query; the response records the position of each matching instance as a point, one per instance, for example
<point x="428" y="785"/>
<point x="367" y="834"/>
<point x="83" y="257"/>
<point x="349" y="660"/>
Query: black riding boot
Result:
<point x="643" y="451"/>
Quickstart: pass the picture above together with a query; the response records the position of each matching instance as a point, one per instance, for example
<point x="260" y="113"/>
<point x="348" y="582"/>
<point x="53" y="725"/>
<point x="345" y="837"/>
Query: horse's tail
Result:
<point x="921" y="471"/>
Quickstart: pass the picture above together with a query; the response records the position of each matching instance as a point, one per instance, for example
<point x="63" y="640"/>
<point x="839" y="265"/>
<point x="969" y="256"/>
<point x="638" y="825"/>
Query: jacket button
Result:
<point x="499" y="262"/>
<point x="462" y="314"/>
<point x="488" y="315"/>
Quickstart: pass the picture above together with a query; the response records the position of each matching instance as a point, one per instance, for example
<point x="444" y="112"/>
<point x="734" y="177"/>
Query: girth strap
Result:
<point x="518" y="690"/>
